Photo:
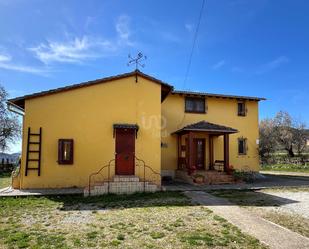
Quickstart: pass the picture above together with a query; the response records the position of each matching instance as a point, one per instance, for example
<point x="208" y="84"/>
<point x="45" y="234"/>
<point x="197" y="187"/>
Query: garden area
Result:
<point x="158" y="220"/>
<point x="5" y="180"/>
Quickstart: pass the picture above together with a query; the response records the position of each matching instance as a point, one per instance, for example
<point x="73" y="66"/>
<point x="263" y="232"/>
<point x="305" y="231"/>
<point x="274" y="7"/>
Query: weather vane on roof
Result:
<point x="137" y="61"/>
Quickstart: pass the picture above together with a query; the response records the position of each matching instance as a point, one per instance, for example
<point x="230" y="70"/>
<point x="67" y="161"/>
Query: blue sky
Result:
<point x="244" y="47"/>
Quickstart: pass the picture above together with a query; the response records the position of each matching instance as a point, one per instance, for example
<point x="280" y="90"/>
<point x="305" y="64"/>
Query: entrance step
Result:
<point x="210" y="177"/>
<point x="121" y="185"/>
<point x="126" y="178"/>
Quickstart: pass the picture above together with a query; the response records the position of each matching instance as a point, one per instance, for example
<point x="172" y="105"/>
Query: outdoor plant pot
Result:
<point x="199" y="179"/>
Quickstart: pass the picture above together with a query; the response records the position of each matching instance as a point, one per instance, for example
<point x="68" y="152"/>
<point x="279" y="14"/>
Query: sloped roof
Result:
<point x="207" y="127"/>
<point x="166" y="89"/>
<point x="217" y="95"/>
<point x="19" y="101"/>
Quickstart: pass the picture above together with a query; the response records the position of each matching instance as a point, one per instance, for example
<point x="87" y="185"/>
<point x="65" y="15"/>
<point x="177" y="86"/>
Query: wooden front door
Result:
<point x="125" y="151"/>
<point x="199" y="153"/>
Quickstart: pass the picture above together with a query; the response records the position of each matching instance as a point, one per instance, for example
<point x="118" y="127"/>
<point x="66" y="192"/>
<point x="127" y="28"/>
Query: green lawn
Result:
<point x="286" y="168"/>
<point x="5" y="180"/>
<point x="158" y="220"/>
<point x="260" y="202"/>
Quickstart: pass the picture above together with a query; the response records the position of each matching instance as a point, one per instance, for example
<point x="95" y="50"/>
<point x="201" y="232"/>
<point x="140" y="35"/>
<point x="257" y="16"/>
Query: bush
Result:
<point x="246" y="176"/>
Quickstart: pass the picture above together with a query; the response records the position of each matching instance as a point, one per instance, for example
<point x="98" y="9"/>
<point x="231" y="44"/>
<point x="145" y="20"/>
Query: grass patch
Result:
<point x="295" y="223"/>
<point x="157" y="235"/>
<point x="151" y="220"/>
<point x="248" y="197"/>
<point x="286" y="168"/>
<point x="5" y="180"/>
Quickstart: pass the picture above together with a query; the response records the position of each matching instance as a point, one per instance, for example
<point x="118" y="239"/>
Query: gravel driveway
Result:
<point x="297" y="202"/>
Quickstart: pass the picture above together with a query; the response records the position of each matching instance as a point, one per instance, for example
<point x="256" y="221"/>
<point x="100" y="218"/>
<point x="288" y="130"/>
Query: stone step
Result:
<point x="119" y="187"/>
<point x="123" y="178"/>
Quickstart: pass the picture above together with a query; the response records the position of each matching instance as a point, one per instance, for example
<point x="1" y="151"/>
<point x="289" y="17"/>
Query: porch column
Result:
<point x="226" y="152"/>
<point x="211" y="152"/>
<point x="190" y="156"/>
<point x="178" y="150"/>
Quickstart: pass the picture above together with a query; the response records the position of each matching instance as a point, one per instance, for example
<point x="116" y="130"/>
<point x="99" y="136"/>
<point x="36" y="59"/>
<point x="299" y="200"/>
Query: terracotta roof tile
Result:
<point x="207" y="127"/>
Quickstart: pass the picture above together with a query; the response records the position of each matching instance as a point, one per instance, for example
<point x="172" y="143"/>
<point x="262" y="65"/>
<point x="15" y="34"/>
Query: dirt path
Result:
<point x="267" y="232"/>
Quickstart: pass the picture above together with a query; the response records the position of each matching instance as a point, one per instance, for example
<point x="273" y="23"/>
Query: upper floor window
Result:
<point x="242" y="146"/>
<point x="241" y="106"/>
<point x="65" y="151"/>
<point x="195" y="105"/>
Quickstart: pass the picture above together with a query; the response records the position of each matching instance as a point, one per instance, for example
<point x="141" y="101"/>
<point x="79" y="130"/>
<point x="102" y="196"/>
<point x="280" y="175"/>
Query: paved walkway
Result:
<point x="269" y="181"/>
<point x="269" y="233"/>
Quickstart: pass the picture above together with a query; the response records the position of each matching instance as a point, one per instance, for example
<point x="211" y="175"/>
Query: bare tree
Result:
<point x="290" y="133"/>
<point x="10" y="128"/>
<point x="284" y="131"/>
<point x="268" y="142"/>
<point x="300" y="136"/>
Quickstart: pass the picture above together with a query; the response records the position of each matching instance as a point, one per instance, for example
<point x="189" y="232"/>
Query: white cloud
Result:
<point x="189" y="27"/>
<point x="219" y="65"/>
<point x="170" y="37"/>
<point x="4" y="58"/>
<point x="7" y="63"/>
<point x="80" y="49"/>
<point x="271" y="65"/>
<point x="123" y="30"/>
<point x="72" y="51"/>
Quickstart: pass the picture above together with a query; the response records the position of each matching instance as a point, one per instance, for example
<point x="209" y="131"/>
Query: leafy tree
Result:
<point x="10" y="129"/>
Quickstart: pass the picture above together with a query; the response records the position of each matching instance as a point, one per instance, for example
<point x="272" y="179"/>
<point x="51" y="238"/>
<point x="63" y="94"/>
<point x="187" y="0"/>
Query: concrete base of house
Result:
<point x="121" y="185"/>
<point x="210" y="177"/>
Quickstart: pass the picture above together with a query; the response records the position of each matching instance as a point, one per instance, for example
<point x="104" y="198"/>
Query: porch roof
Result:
<point x="204" y="126"/>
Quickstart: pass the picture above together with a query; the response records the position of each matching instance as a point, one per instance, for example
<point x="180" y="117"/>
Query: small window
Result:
<point x="195" y="105"/>
<point x="242" y="146"/>
<point x="241" y="109"/>
<point x="65" y="151"/>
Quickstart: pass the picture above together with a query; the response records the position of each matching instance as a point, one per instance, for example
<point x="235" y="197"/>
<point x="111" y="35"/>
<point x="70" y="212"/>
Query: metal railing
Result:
<point x="145" y="172"/>
<point x="149" y="175"/>
<point x="99" y="176"/>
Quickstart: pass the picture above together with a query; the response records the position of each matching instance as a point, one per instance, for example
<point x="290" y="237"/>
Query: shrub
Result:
<point x="246" y="176"/>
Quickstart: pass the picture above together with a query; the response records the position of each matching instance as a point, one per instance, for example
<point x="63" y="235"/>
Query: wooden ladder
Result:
<point x="35" y="152"/>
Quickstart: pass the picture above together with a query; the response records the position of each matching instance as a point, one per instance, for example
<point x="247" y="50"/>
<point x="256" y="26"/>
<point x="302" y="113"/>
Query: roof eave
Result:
<point x="212" y="95"/>
<point x="20" y="101"/>
<point x="207" y="130"/>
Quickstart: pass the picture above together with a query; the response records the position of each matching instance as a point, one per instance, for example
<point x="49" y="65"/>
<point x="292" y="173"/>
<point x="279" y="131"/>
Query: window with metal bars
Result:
<point x="65" y="151"/>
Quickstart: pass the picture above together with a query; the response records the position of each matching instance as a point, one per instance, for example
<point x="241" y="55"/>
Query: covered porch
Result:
<point x="196" y="150"/>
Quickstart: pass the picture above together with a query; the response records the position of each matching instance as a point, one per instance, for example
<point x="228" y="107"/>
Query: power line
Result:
<point x="193" y="45"/>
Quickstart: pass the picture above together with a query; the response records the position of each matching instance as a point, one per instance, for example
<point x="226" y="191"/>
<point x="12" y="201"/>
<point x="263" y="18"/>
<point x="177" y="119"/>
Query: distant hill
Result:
<point x="11" y="158"/>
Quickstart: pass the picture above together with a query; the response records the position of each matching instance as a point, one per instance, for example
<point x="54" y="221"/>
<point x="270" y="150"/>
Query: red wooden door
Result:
<point x="199" y="153"/>
<point x="125" y="151"/>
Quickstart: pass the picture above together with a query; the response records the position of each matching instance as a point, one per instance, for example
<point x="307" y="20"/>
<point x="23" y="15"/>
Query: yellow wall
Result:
<point x="87" y="115"/>
<point x="220" y="111"/>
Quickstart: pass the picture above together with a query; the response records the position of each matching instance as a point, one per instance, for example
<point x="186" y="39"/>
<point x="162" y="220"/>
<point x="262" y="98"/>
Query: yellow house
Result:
<point x="123" y="133"/>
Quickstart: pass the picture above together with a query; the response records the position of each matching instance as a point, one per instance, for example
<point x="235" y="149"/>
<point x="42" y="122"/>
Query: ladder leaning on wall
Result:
<point x="30" y="151"/>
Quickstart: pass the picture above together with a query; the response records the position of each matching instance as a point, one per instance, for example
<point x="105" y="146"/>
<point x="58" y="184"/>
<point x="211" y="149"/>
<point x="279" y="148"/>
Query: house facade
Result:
<point x="122" y="133"/>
